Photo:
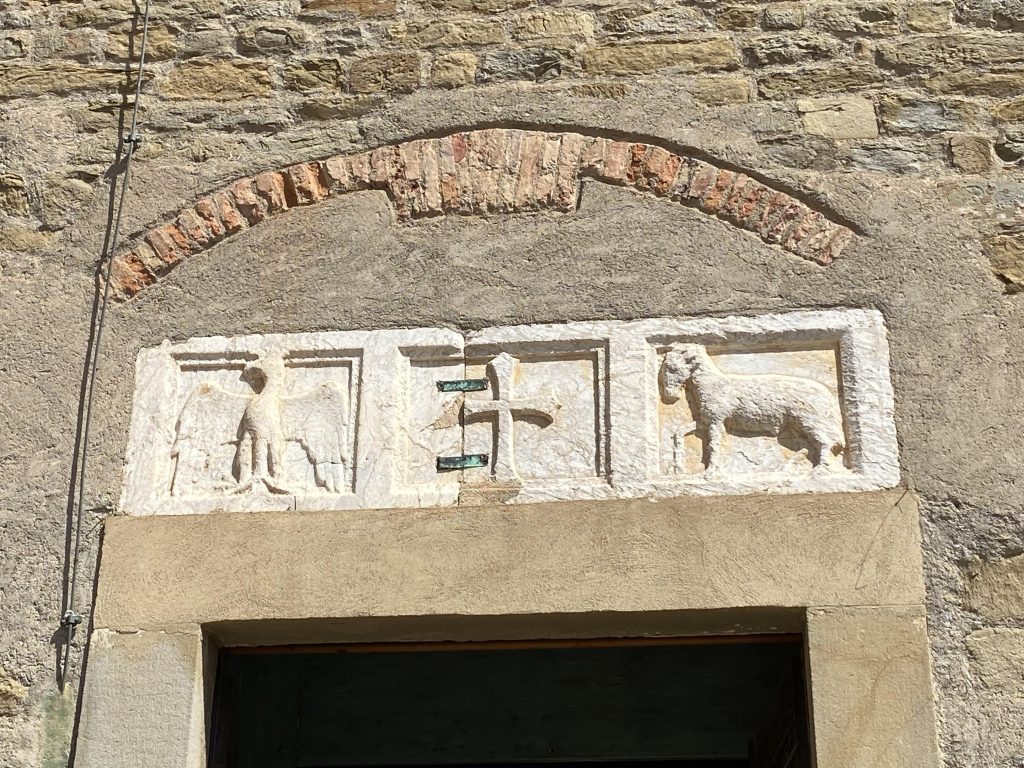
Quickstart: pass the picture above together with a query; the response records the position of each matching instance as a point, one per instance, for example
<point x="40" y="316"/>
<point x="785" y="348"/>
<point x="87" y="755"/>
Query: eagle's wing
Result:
<point x="205" y="440"/>
<point x="318" y="420"/>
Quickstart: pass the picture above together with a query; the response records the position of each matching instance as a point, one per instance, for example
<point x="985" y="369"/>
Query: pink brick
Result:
<point x="775" y="206"/>
<point x="207" y="210"/>
<point x="381" y="162"/>
<point x="617" y="163"/>
<point x="458" y="147"/>
<point x="191" y="225"/>
<point x="453" y="198"/>
<point x="829" y="252"/>
<point x="169" y="244"/>
<point x="431" y="179"/>
<point x="149" y="258"/>
<point x="247" y="202"/>
<point x="338" y="172"/>
<point x="592" y="161"/>
<point x="567" y="183"/>
<point x="229" y="215"/>
<point x="745" y="203"/>
<point x="270" y="187"/>
<point x="702" y="179"/>
<point x="808" y="224"/>
<point x="360" y="166"/>
<point x="660" y="170"/>
<point x="547" y="171"/>
<point x="529" y="169"/>
<point x="304" y="183"/>
<point x="718" y="192"/>
<point x="637" y="161"/>
<point x="783" y="218"/>
<point x="128" y="275"/>
<point x="499" y="186"/>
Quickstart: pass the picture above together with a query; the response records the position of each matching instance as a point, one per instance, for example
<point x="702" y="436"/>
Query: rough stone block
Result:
<point x="108" y="13"/>
<point x="811" y="82"/>
<point x="971" y="153"/>
<point x="314" y="74"/>
<point x="1000" y="85"/>
<point x="716" y="53"/>
<point x="12" y="694"/>
<point x="1011" y="110"/>
<point x="207" y="38"/>
<point x="722" y="90"/>
<point x="945" y="51"/>
<point x="929" y="16"/>
<point x="14" y="45"/>
<point x="163" y="668"/>
<point x="13" y="195"/>
<point x="338" y="107"/>
<point x="398" y="72"/>
<point x="784" y="16"/>
<point x="899" y="114"/>
<point x="520" y="64"/>
<point x="161" y="43"/>
<point x="996" y="589"/>
<point x="480" y="6"/>
<point x="872" y="688"/>
<point x="23" y="240"/>
<point x="789" y="49"/>
<point x="272" y="37"/>
<point x="453" y="70"/>
<point x="217" y="80"/>
<point x="553" y="26"/>
<point x="450" y="33"/>
<point x="369" y="8"/>
<point x="634" y="21"/>
<point x="841" y="118"/>
<point x="873" y="18"/>
<point x="58" y="77"/>
<point x="738" y="17"/>
<point x="998" y="659"/>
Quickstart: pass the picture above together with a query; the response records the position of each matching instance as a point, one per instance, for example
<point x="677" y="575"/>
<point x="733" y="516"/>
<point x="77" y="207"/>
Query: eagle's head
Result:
<point x="266" y="369"/>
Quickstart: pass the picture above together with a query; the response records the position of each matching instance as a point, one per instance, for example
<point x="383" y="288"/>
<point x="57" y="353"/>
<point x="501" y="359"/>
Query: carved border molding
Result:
<point x="587" y="410"/>
<point x="483" y="172"/>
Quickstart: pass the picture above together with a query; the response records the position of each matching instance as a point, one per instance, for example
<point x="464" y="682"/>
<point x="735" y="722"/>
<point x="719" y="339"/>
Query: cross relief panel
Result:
<point x="430" y="417"/>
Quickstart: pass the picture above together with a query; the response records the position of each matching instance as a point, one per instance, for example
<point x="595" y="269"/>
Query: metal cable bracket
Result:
<point x="130" y="143"/>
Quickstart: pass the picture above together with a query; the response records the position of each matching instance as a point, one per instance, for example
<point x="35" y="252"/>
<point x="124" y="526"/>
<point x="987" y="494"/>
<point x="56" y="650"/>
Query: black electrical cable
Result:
<point x="72" y="618"/>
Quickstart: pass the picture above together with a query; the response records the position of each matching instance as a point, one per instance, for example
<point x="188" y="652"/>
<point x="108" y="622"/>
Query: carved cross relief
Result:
<point x="792" y="402"/>
<point x="504" y="409"/>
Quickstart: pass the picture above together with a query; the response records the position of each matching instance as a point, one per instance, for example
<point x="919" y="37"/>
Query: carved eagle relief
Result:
<point x="237" y="442"/>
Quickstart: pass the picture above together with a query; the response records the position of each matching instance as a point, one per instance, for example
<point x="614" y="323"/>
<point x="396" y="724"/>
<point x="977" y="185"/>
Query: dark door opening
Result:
<point x="684" y="703"/>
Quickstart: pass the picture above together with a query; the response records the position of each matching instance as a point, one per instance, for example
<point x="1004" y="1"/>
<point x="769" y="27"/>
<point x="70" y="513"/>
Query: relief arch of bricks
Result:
<point x="478" y="173"/>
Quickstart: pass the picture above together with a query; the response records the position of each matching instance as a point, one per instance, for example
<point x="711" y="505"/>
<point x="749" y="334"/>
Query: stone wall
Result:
<point x="901" y="122"/>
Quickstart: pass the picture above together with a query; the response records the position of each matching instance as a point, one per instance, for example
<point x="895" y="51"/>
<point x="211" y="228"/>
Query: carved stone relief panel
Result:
<point x="790" y="402"/>
<point x="543" y="418"/>
<point x="298" y="421"/>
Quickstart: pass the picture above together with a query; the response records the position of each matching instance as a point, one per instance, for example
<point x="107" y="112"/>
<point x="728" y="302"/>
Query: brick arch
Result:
<point x="482" y="172"/>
